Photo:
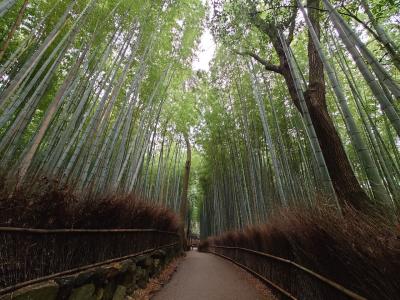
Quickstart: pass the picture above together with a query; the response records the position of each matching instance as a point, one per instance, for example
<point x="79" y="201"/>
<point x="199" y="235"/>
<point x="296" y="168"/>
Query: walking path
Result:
<point x="202" y="276"/>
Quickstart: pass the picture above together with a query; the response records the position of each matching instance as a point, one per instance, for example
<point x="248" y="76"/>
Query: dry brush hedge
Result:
<point x="358" y="252"/>
<point x="26" y="255"/>
<point x="47" y="204"/>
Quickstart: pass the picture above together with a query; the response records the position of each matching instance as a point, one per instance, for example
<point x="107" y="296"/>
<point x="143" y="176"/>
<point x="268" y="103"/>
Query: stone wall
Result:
<point x="107" y="282"/>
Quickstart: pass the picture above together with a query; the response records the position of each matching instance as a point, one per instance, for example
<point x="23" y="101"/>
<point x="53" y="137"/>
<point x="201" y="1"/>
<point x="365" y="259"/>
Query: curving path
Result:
<point x="202" y="276"/>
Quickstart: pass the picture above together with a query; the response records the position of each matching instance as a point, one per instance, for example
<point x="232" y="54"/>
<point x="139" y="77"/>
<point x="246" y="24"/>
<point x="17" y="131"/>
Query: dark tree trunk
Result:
<point x="345" y="183"/>
<point x="342" y="175"/>
<point x="188" y="226"/>
<point x="185" y="189"/>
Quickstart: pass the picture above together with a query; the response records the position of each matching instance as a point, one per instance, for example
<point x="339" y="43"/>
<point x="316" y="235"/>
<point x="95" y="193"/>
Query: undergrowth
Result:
<point x="361" y="253"/>
<point x="47" y="204"/>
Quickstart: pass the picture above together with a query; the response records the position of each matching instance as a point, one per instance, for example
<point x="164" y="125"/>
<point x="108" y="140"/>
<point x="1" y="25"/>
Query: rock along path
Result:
<point x="202" y="276"/>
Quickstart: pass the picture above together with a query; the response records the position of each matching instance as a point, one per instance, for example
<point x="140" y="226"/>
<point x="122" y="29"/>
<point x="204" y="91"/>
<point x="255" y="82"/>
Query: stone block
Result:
<point x="129" y="279"/>
<point x="84" y="277"/>
<point x="144" y="261"/>
<point x="76" y="280"/>
<point x="42" y="291"/>
<point x="125" y="265"/>
<point x="109" y="290"/>
<point x="156" y="268"/>
<point x="105" y="273"/>
<point x="160" y="254"/>
<point x="119" y="293"/>
<point x="85" y="292"/>
<point x="132" y="267"/>
<point x="99" y="295"/>
<point x="142" y="277"/>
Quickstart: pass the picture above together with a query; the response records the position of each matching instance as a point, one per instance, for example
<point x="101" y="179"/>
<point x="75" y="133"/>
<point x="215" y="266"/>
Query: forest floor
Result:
<point x="203" y="276"/>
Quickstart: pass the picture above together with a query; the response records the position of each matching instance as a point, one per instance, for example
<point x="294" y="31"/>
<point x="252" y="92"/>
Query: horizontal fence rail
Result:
<point x="289" y="279"/>
<point x="26" y="254"/>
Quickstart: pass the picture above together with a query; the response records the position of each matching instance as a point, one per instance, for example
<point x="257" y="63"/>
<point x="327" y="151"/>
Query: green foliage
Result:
<point x="235" y="179"/>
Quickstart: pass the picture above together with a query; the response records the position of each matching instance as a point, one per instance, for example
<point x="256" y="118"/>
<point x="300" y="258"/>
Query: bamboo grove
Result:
<point x="294" y="136"/>
<point x="300" y="107"/>
<point x="83" y="90"/>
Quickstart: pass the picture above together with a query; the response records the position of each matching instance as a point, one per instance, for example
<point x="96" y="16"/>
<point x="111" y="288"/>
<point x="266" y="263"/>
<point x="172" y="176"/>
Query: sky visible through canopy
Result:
<point x="205" y="51"/>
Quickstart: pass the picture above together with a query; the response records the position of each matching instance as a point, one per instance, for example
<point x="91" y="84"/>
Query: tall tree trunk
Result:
<point x="344" y="181"/>
<point x="347" y="188"/>
<point x="185" y="188"/>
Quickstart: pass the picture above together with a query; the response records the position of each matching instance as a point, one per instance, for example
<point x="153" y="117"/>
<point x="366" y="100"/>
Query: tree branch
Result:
<point x="351" y="15"/>
<point x="347" y="13"/>
<point x="268" y="66"/>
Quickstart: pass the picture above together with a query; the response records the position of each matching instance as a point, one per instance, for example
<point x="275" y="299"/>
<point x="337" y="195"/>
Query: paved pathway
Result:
<point x="202" y="276"/>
